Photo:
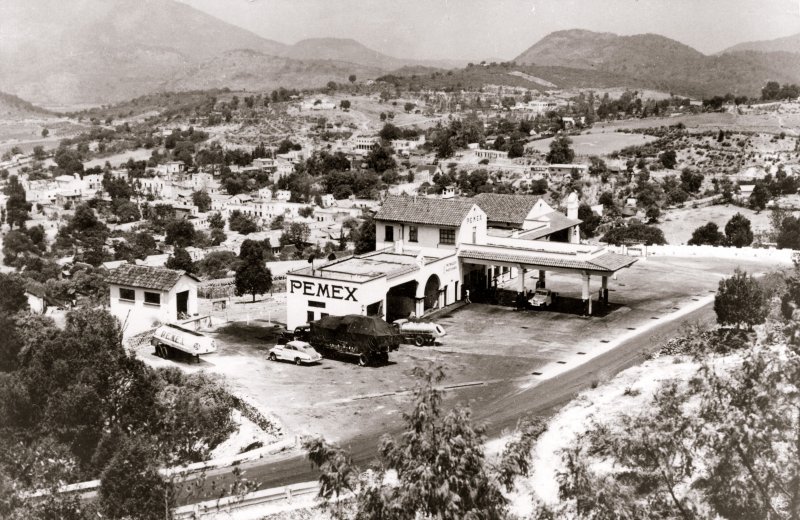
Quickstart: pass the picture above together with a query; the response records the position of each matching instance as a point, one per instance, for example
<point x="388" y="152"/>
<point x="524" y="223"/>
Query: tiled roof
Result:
<point x="606" y="262"/>
<point x="508" y="209"/>
<point x="145" y="277"/>
<point x="420" y="210"/>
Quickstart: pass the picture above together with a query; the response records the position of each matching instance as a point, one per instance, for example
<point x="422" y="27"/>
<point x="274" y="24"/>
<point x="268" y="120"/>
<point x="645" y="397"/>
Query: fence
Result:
<point x="706" y="251"/>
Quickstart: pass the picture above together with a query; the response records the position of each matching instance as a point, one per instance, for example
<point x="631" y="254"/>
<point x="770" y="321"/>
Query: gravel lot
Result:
<point x="494" y="345"/>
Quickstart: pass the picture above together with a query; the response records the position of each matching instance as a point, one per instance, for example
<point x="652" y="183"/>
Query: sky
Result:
<point x="502" y="29"/>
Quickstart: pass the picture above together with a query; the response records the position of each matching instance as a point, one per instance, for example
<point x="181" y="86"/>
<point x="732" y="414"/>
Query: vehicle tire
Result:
<point x="297" y="361"/>
<point x="362" y="360"/>
<point x="419" y="341"/>
<point x="272" y="357"/>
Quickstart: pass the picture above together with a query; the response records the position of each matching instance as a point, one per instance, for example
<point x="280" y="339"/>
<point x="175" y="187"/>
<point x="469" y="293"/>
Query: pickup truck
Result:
<point x="543" y="298"/>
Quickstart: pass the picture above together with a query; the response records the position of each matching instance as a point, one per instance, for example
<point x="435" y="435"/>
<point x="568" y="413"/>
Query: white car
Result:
<point x="299" y="352"/>
<point x="542" y="298"/>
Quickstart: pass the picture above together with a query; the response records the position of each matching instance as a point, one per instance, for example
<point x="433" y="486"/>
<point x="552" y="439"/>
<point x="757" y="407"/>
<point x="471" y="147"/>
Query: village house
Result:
<point x="143" y="297"/>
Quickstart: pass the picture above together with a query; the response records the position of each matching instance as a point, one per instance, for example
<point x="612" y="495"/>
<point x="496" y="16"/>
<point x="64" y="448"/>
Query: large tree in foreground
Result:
<point x="438" y="461"/>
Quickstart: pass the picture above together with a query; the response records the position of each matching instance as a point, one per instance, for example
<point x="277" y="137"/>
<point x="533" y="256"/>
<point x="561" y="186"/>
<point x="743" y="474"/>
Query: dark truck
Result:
<point x="366" y="338"/>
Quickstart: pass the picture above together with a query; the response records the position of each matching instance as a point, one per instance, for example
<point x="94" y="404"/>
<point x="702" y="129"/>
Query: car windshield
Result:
<point x="542" y="292"/>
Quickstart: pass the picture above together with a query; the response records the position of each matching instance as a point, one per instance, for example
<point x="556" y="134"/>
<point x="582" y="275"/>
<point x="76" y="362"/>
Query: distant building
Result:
<point x="143" y="297"/>
<point x="491" y="154"/>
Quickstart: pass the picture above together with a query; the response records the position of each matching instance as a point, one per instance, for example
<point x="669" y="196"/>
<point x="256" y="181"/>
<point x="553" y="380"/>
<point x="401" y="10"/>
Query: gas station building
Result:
<point x="429" y="252"/>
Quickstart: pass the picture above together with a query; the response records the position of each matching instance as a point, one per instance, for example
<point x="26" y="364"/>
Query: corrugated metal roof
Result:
<point x="145" y="277"/>
<point x="420" y="210"/>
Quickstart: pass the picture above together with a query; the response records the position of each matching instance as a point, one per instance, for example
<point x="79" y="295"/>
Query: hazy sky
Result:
<point x="478" y="29"/>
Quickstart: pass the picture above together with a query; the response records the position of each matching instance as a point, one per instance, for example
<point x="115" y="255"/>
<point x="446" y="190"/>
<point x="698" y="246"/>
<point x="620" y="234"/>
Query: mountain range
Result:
<point x="57" y="53"/>
<point x="658" y="62"/>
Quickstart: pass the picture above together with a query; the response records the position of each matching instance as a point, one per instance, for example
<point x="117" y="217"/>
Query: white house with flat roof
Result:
<point x="142" y="297"/>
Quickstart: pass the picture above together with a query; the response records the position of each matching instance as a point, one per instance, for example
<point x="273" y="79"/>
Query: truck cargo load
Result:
<point x="366" y="337"/>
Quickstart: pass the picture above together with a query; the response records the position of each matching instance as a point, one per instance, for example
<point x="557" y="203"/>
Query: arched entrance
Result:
<point x="400" y="301"/>
<point x="432" y="292"/>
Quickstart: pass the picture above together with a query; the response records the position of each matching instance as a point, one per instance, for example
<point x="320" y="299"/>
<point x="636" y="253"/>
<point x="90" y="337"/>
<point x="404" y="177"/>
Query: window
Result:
<point x="389" y="236"/>
<point x="320" y="305"/>
<point x="447" y="236"/>
<point x="412" y="234"/>
<point x="152" y="298"/>
<point x="323" y="315"/>
<point x="309" y="316"/>
<point x="127" y="294"/>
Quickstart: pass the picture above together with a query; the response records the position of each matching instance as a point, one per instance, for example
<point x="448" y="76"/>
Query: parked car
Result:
<point x="296" y="351"/>
<point x="543" y="298"/>
<point x="302" y="332"/>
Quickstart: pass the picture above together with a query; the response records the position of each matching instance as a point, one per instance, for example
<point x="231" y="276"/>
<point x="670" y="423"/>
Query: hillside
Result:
<point x="658" y="62"/>
<point x="533" y="77"/>
<point x="14" y="108"/>
<point x="85" y="51"/>
<point x="341" y="49"/>
<point x="785" y="44"/>
<point x="249" y="70"/>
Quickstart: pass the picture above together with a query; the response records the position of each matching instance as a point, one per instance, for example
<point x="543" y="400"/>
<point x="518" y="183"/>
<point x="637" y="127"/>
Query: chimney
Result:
<point x="572" y="206"/>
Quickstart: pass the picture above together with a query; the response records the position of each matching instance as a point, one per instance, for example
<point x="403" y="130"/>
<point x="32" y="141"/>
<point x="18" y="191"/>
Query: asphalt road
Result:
<point x="499" y="407"/>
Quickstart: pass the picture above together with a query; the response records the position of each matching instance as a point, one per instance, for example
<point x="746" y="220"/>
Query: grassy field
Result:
<point x="764" y="122"/>
<point x="597" y="142"/>
<point x="678" y="224"/>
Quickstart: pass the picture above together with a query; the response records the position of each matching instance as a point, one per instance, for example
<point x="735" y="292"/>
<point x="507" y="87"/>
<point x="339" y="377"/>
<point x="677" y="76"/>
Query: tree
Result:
<point x="252" y="275"/>
<point x="740" y="301"/>
<point x="438" y="461"/>
<point x="365" y="236"/>
<point x="560" y="151"/>
<point x="216" y="264"/>
<point x="738" y="231"/>
<point x="17" y="206"/>
<point x="590" y="220"/>
<point x="68" y="160"/>
<point x="131" y="486"/>
<point x="295" y="234"/>
<point x="789" y="233"/>
<point x="12" y="289"/>
<point x="352" y="78"/>
<point x="691" y="181"/>
<point x="244" y="224"/>
<point x="634" y="233"/>
<point x="652" y="214"/>
<point x="760" y="196"/>
<point x="408" y="106"/>
<point x="306" y="211"/>
<point x="179" y="232"/>
<point x="202" y="200"/>
<point x="708" y="234"/>
<point x="85" y="233"/>
<point x="216" y="221"/>
<point x="45" y="132"/>
<point x="345" y="104"/>
<point x="380" y="159"/>
<point x="180" y="260"/>
<point x="669" y="159"/>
